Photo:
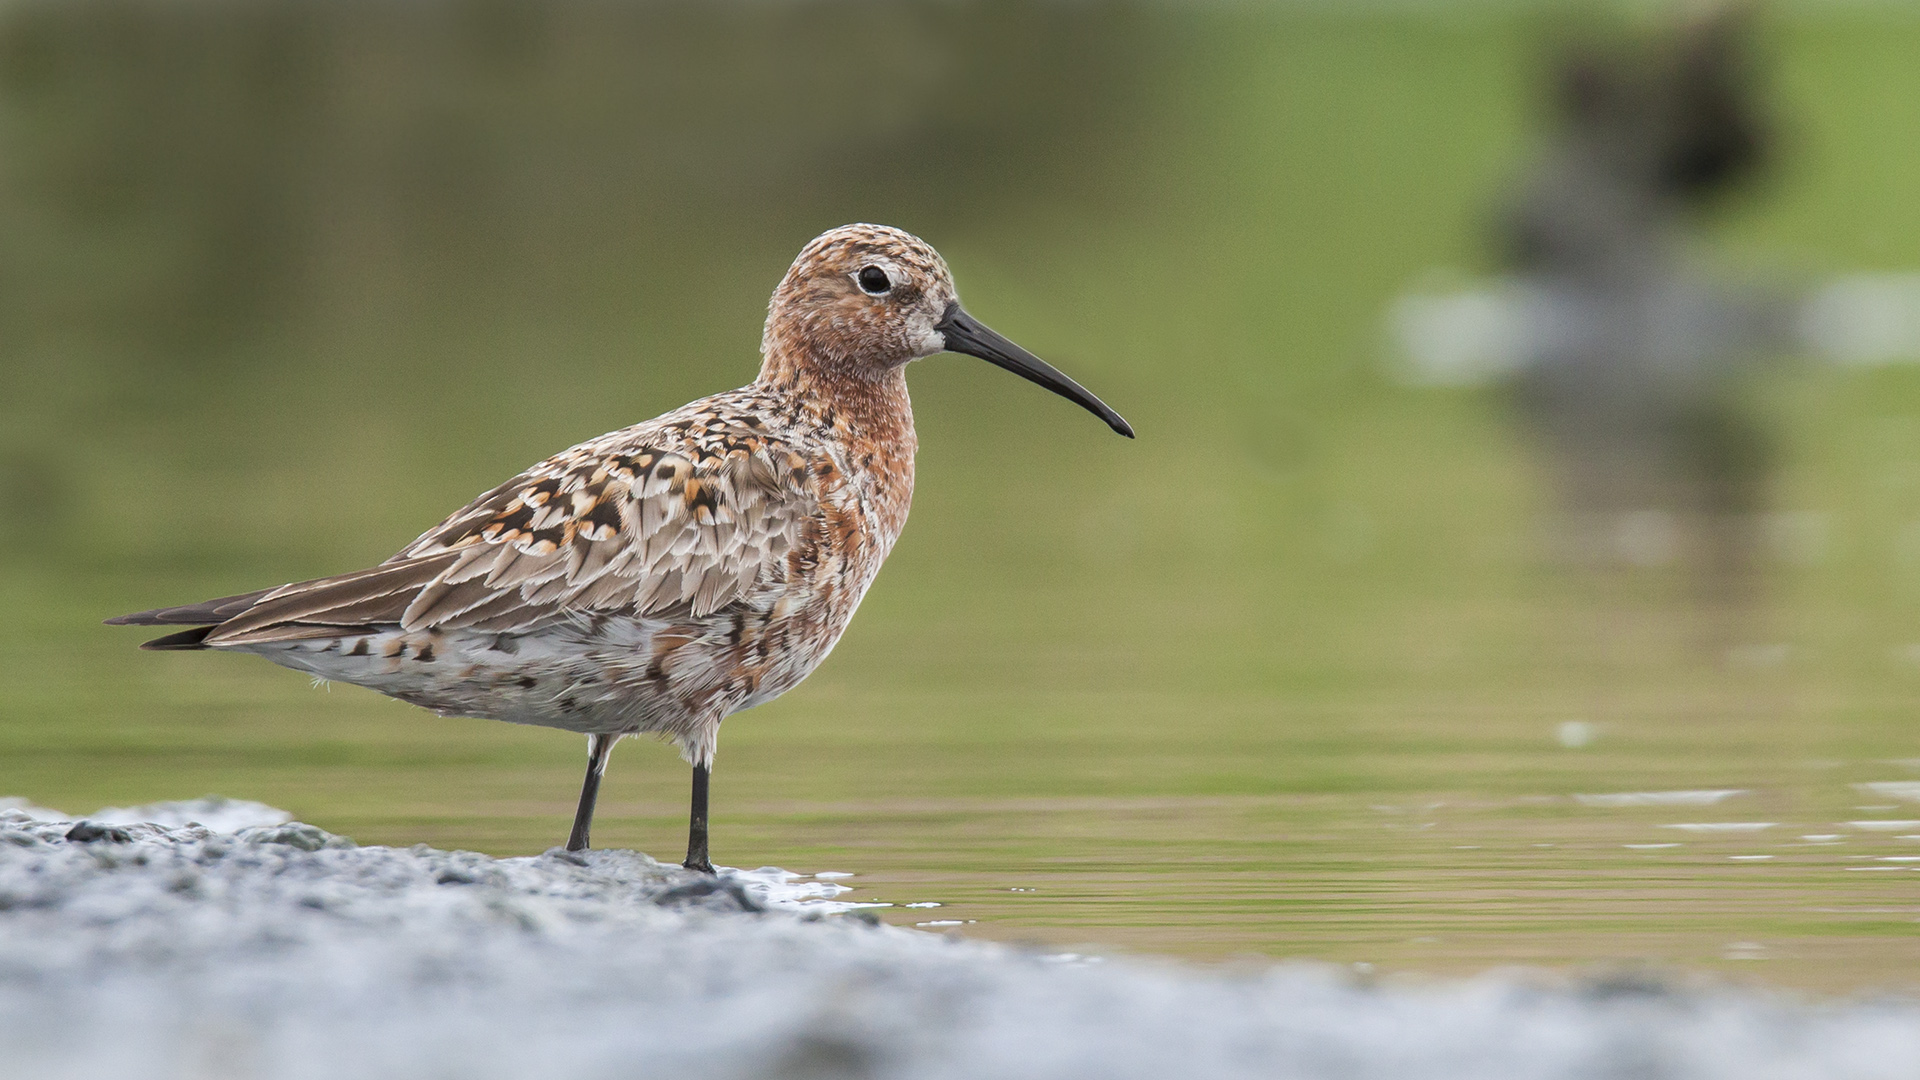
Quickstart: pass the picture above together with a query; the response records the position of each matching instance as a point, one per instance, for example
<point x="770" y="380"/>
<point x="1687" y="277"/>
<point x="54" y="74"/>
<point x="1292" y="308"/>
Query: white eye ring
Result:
<point x="865" y="279"/>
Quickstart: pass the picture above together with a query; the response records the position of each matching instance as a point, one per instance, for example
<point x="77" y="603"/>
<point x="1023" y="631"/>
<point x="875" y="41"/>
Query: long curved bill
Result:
<point x="965" y="334"/>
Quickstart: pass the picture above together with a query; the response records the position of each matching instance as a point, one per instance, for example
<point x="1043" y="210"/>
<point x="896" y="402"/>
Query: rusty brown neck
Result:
<point x="867" y="403"/>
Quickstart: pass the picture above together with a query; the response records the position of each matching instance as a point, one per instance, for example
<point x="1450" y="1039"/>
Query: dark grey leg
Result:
<point x="697" y="825"/>
<point x="598" y="748"/>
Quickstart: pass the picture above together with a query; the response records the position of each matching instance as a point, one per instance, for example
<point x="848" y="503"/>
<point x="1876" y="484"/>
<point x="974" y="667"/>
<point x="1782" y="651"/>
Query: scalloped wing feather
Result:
<point x="646" y="521"/>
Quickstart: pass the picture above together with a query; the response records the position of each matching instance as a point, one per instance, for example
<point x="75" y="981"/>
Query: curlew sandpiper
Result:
<point x="659" y="578"/>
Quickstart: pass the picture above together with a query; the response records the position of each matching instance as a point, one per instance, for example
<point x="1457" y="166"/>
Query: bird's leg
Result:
<point x="598" y="748"/>
<point x="697" y="824"/>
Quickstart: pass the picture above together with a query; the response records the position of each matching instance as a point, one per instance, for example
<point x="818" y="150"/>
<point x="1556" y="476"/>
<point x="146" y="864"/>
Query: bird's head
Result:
<point x="861" y="301"/>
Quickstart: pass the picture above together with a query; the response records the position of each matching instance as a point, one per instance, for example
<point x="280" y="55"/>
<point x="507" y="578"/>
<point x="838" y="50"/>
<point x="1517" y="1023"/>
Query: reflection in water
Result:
<point x="1630" y="369"/>
<point x="1627" y="367"/>
<point x="1635" y="364"/>
<point x="1660" y="798"/>
<point x="1643" y="879"/>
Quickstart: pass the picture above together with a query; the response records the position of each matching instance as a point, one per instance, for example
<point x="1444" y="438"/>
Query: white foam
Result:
<point x="280" y="952"/>
<point x="784" y="890"/>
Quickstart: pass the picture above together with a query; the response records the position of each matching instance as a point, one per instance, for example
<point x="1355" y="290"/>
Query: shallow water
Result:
<point x="1452" y="883"/>
<point x="1718" y="837"/>
<point x="278" y="950"/>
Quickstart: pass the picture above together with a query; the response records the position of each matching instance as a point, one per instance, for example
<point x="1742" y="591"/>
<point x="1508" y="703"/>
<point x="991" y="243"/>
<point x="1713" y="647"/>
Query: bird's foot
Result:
<point x="702" y="864"/>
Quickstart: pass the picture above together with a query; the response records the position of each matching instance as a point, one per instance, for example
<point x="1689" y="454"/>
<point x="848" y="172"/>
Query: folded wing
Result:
<point x="615" y="525"/>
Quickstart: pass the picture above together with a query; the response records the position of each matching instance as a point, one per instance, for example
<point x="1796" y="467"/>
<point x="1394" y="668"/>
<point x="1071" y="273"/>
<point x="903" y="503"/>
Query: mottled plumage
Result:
<point x="659" y="578"/>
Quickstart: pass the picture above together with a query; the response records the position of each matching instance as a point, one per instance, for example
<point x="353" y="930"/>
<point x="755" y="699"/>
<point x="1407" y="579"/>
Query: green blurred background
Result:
<point x="284" y="281"/>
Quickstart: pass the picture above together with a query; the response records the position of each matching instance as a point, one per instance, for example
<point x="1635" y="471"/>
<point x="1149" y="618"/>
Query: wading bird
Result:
<point x="659" y="578"/>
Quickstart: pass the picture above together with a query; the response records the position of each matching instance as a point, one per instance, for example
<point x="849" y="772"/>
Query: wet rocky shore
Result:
<point x="220" y="939"/>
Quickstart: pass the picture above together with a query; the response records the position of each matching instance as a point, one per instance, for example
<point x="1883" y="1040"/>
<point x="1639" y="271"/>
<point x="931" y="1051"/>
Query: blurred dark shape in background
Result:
<point x="1635" y="365"/>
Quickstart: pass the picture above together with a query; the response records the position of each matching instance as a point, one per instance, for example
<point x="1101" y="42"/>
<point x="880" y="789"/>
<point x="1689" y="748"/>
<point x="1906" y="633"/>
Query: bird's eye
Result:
<point x="873" y="281"/>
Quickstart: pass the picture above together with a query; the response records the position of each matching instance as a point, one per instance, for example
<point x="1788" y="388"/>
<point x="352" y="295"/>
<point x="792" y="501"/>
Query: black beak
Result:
<point x="964" y="334"/>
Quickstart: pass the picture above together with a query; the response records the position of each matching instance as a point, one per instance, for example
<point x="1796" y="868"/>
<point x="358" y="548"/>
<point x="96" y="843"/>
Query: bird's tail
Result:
<point x="203" y="617"/>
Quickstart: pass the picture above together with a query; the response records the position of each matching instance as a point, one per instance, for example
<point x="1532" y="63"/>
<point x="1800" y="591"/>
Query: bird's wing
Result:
<point x="649" y="520"/>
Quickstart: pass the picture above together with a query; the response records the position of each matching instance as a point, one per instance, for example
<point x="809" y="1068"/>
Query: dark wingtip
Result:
<point x="185" y="639"/>
<point x="209" y="611"/>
